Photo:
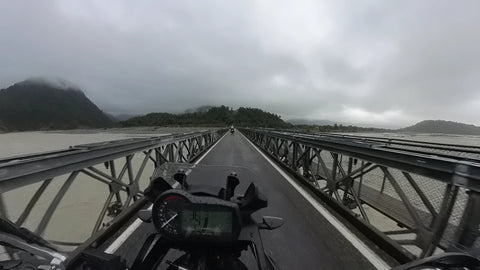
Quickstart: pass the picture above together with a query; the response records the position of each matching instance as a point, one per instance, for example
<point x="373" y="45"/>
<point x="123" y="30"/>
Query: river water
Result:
<point x="469" y="140"/>
<point x="75" y="217"/>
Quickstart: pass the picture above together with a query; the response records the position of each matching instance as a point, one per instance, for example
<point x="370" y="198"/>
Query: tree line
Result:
<point x="215" y="116"/>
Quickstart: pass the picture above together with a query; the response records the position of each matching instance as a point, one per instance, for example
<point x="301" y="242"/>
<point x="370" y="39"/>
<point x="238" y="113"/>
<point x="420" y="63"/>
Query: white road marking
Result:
<point x="206" y="153"/>
<point x="373" y="258"/>
<point x="134" y="226"/>
<point x="125" y="234"/>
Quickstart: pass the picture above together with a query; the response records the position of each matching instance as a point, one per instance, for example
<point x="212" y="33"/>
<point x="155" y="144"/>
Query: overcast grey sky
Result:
<point x="380" y="63"/>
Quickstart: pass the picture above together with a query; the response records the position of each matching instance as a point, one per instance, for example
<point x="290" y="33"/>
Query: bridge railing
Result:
<point x="410" y="203"/>
<point x="69" y="195"/>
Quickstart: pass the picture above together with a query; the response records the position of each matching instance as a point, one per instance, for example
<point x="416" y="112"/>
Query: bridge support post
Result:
<point x="441" y="220"/>
<point x="295" y="156"/>
<point x="468" y="229"/>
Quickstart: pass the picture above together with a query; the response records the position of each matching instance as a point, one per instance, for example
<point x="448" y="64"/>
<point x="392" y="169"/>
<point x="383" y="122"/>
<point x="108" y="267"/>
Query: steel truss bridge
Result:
<point x="430" y="190"/>
<point x="109" y="163"/>
<point x="411" y="199"/>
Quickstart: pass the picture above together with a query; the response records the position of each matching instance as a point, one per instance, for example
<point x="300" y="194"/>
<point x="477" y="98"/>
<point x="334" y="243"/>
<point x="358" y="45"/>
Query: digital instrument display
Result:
<point x="180" y="216"/>
<point x="203" y="221"/>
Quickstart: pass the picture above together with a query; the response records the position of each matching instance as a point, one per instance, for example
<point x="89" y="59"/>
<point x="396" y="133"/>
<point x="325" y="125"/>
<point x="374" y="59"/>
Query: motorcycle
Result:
<point x="209" y="224"/>
<point x="197" y="226"/>
<point x="209" y="227"/>
<point x="232" y="130"/>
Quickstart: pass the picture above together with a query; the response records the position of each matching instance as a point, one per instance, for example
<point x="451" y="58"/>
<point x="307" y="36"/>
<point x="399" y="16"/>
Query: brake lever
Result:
<point x="145" y="215"/>
<point x="57" y="260"/>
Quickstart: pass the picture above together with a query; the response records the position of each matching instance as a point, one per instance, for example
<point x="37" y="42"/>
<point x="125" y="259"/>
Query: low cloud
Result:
<point x="376" y="63"/>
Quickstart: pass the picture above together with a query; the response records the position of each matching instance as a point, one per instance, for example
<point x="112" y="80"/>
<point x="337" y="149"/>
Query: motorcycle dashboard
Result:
<point x="180" y="216"/>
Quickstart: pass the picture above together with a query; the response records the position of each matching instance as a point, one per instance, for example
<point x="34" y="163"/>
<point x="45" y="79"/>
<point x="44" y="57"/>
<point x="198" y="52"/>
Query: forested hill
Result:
<point x="441" y="126"/>
<point x="214" y="116"/>
<point x="40" y="105"/>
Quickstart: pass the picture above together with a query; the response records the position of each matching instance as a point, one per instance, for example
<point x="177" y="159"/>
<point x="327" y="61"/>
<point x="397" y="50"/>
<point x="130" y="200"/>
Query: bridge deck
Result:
<point x="384" y="203"/>
<point x="306" y="241"/>
<point x="389" y="206"/>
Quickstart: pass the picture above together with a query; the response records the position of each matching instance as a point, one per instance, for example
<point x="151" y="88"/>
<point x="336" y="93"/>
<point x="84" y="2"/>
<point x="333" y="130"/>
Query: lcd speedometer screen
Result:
<point x="206" y="222"/>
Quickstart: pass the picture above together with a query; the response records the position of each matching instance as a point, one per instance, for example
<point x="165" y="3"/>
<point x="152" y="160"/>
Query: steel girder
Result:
<point x="99" y="162"/>
<point x="428" y="197"/>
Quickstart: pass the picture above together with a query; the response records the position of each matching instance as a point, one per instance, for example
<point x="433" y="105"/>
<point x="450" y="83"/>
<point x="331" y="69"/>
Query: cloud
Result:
<point x="387" y="118"/>
<point x="392" y="62"/>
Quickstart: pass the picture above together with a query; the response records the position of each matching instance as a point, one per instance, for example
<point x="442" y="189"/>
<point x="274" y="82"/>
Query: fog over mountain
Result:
<point x="39" y="104"/>
<point x="300" y="121"/>
<point x="369" y="62"/>
<point x="45" y="104"/>
<point x="441" y="126"/>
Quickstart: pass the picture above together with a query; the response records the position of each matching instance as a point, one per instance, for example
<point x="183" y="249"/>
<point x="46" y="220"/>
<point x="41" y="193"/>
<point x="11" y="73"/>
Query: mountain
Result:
<point x="253" y="117"/>
<point x="442" y="126"/>
<point x="38" y="104"/>
<point x="214" y="116"/>
<point x="123" y="117"/>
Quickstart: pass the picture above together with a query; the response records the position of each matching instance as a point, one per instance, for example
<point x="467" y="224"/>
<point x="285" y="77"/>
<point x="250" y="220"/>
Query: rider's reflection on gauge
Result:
<point x="206" y="222"/>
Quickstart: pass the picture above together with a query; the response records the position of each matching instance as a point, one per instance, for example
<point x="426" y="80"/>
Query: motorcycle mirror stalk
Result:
<point x="181" y="178"/>
<point x="270" y="223"/>
<point x="232" y="183"/>
<point x="145" y="215"/>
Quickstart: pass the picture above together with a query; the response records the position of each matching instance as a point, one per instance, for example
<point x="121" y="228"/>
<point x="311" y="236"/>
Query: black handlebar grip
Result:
<point x="232" y="183"/>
